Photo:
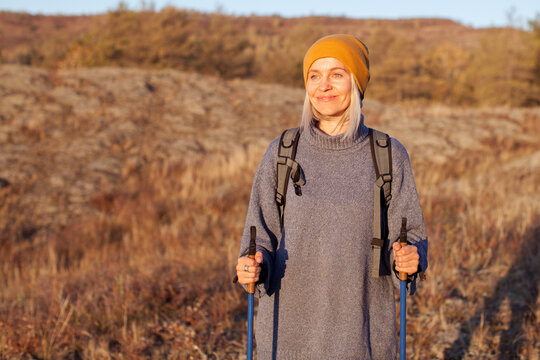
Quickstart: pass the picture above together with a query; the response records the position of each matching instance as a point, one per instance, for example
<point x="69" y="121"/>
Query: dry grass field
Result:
<point x="123" y="194"/>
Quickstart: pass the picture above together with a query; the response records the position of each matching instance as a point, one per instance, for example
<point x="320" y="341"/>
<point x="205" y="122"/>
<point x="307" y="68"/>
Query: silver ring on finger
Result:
<point x="246" y="268"/>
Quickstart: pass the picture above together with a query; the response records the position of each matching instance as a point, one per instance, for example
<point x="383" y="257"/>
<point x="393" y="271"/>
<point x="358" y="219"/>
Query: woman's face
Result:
<point x="328" y="86"/>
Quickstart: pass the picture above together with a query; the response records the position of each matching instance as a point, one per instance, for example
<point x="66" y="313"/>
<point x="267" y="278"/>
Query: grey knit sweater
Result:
<point x="319" y="300"/>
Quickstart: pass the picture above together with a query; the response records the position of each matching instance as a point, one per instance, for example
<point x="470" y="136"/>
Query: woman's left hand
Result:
<point x="406" y="258"/>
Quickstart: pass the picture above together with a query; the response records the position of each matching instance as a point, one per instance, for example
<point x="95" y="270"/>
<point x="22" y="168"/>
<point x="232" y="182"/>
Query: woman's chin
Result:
<point x="330" y="116"/>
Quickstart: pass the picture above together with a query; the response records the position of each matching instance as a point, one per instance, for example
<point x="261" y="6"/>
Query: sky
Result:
<point x="477" y="13"/>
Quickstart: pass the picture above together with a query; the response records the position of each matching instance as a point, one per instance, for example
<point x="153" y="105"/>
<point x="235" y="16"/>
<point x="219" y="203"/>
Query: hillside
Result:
<point x="92" y="129"/>
<point x="123" y="195"/>
<point x="419" y="61"/>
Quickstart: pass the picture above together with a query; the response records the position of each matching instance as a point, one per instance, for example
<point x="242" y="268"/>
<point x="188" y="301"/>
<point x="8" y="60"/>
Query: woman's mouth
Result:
<point x="325" y="98"/>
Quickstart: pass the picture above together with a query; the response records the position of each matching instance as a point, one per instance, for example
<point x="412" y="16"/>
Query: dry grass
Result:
<point x="127" y="195"/>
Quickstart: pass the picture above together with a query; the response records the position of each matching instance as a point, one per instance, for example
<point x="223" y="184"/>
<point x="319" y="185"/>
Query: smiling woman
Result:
<point x="324" y="292"/>
<point x="350" y="63"/>
<point x="328" y="88"/>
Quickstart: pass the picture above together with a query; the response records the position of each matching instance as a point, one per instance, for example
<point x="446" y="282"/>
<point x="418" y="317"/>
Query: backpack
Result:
<point x="381" y="152"/>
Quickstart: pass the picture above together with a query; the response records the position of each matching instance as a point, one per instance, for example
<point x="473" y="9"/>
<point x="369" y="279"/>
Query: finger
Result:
<point x="241" y="266"/>
<point x="413" y="256"/>
<point x="409" y="267"/>
<point x="407" y="264"/>
<point x="242" y="261"/>
<point x="410" y="263"/>
<point x="259" y="257"/>
<point x="396" y="246"/>
<point x="246" y="261"/>
<point x="248" y="278"/>
<point x="410" y="249"/>
<point x="245" y="268"/>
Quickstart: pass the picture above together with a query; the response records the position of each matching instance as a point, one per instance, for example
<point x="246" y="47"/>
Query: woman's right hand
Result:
<point x="253" y="268"/>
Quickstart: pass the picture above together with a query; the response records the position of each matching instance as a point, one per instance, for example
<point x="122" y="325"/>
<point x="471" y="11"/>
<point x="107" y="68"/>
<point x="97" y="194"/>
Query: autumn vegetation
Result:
<point x="130" y="139"/>
<point x="413" y="60"/>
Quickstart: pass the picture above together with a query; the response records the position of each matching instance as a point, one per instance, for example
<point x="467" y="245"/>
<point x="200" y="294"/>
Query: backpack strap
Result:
<point x="381" y="152"/>
<point x="287" y="168"/>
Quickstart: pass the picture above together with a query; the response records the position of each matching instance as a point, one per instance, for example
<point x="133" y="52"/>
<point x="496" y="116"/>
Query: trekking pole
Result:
<point x="251" y="291"/>
<point x="402" y="295"/>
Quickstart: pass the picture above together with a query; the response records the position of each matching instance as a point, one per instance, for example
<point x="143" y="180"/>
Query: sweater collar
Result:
<point x="338" y="142"/>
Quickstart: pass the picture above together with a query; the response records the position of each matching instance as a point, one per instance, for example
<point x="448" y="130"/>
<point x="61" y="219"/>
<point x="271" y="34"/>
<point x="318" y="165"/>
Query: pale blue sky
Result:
<point x="469" y="12"/>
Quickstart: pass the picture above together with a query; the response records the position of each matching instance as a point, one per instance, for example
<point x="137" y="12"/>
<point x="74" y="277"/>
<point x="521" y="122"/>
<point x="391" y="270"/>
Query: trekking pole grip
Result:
<point x="251" y="254"/>
<point x="403" y="243"/>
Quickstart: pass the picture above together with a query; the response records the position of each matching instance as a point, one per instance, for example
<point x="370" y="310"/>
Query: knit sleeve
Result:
<point x="263" y="213"/>
<point x="405" y="203"/>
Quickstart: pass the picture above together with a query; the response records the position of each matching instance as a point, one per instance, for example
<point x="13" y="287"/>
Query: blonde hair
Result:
<point x="353" y="114"/>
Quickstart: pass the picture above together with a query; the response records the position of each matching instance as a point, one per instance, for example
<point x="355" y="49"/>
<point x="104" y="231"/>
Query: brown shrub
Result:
<point x="417" y="61"/>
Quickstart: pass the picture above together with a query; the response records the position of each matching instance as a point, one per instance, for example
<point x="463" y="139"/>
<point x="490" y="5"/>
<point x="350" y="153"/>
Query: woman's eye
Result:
<point x="314" y="77"/>
<point x="338" y="75"/>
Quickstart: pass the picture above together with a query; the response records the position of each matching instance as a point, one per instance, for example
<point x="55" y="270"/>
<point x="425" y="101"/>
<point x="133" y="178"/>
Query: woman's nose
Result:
<point x="324" y="84"/>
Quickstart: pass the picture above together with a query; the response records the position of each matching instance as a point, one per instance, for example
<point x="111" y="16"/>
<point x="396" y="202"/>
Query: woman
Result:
<point x="317" y="297"/>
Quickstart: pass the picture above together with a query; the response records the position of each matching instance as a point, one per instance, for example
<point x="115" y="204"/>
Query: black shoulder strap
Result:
<point x="382" y="162"/>
<point x="381" y="151"/>
<point x="287" y="167"/>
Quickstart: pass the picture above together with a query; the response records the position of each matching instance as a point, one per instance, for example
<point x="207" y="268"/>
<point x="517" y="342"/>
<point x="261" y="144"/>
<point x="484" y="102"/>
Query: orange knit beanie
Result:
<point x="347" y="49"/>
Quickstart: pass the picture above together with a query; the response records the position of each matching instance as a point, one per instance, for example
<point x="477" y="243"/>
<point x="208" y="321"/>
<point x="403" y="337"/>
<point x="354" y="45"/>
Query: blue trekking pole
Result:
<point x="402" y="295"/>
<point x="251" y="291"/>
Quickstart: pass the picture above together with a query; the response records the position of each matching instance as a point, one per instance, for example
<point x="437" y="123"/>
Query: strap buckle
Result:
<point x="383" y="179"/>
<point x="382" y="142"/>
<point x="282" y="160"/>
<point x="377" y="242"/>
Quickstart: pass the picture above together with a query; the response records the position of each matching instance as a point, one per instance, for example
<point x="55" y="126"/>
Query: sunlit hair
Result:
<point x="353" y="113"/>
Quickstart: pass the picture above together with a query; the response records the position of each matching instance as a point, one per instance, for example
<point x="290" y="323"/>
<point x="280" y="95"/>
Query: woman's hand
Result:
<point x="249" y="274"/>
<point x="406" y="258"/>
